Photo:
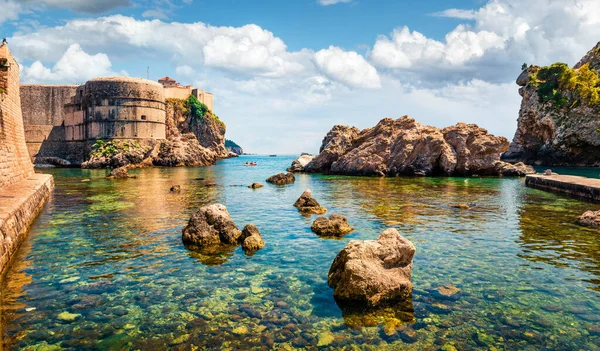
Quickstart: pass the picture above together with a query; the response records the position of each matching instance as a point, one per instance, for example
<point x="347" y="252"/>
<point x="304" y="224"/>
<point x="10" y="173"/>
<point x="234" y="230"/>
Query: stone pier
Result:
<point x="587" y="188"/>
<point x="23" y="193"/>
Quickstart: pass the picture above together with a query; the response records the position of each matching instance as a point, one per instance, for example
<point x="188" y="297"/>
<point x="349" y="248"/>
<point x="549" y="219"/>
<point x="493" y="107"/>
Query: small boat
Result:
<point x="272" y="155"/>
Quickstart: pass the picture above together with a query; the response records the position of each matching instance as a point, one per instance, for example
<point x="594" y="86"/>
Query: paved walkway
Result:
<point x="20" y="204"/>
<point x="588" y="188"/>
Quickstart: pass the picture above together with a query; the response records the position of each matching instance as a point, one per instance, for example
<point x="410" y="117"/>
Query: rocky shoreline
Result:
<point x="406" y="147"/>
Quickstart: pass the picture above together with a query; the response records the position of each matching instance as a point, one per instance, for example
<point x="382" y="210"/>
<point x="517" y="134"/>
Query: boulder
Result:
<point x="299" y="163"/>
<point x="590" y="219"/>
<point x="119" y="173"/>
<point x="306" y="204"/>
<point x="373" y="272"/>
<point x="335" y="225"/>
<point x="211" y="225"/>
<point x="251" y="239"/>
<point x="282" y="179"/>
<point x="255" y="186"/>
<point x="406" y="147"/>
<point x="518" y="169"/>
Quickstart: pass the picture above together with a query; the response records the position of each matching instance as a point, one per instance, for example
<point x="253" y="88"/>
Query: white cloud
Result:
<point x="185" y="71"/>
<point x="75" y="66"/>
<point x="333" y="2"/>
<point x="503" y="35"/>
<point x="347" y="67"/>
<point x="9" y="10"/>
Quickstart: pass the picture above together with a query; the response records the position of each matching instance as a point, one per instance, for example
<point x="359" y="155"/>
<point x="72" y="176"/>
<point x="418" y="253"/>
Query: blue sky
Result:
<point x="285" y="71"/>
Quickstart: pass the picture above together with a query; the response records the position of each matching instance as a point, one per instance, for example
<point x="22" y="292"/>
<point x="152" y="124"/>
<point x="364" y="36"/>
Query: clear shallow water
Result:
<point x="111" y="252"/>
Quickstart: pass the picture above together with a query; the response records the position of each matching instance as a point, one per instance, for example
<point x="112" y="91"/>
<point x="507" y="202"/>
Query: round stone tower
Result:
<point x="122" y="108"/>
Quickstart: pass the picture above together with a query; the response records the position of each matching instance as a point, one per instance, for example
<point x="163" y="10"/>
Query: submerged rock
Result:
<point x="282" y="179"/>
<point x="461" y="206"/>
<point x="373" y="272"/>
<point x="119" y="173"/>
<point x="406" y="147"/>
<point x="335" y="225"/>
<point x="255" y="186"/>
<point x="306" y="204"/>
<point x="175" y="188"/>
<point x="590" y="219"/>
<point x="251" y="239"/>
<point x="211" y="225"/>
<point x="299" y="163"/>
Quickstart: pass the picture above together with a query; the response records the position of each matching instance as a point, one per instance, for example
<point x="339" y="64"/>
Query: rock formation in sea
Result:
<point x="373" y="272"/>
<point x="232" y="146"/>
<point x="558" y="121"/>
<point x="590" y="219"/>
<point x="212" y="228"/>
<point x="336" y="225"/>
<point x="406" y="147"/>
<point x="299" y="163"/>
<point x="281" y="179"/>
<point x="308" y="205"/>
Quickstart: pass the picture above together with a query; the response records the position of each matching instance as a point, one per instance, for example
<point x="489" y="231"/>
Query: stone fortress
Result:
<point x="62" y="121"/>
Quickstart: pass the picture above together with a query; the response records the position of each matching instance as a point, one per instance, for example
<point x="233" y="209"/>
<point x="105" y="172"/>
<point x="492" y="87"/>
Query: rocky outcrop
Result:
<point x="299" y="163"/>
<point x="558" y="122"/>
<point x="373" y="272"/>
<point x="282" y="179"/>
<point x="119" y="173"/>
<point x="211" y="225"/>
<point x="183" y="150"/>
<point x="251" y="239"/>
<point x="233" y="147"/>
<point x="176" y="151"/>
<point x="335" y="225"/>
<point x="590" y="219"/>
<point x="211" y="228"/>
<point x="406" y="147"/>
<point x="307" y="205"/>
<point x="336" y="143"/>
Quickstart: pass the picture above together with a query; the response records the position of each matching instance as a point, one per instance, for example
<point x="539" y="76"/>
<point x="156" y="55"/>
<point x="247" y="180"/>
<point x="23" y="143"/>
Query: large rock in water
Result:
<point x="308" y="205"/>
<point x="299" y="163"/>
<point x="282" y="179"/>
<point x="251" y="239"/>
<point x="404" y="146"/>
<point x="335" y="225"/>
<point x="561" y="129"/>
<point x="373" y="272"/>
<point x="211" y="225"/>
<point x="590" y="219"/>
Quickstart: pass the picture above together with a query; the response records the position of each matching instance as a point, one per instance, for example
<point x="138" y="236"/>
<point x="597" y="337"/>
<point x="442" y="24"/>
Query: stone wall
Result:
<point x="44" y="116"/>
<point x="15" y="164"/>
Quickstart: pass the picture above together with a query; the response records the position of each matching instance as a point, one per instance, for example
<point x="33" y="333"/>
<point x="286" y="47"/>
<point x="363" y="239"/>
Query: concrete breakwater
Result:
<point x="583" y="187"/>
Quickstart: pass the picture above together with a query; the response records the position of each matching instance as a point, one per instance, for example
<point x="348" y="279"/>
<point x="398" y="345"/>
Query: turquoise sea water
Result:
<point x="104" y="267"/>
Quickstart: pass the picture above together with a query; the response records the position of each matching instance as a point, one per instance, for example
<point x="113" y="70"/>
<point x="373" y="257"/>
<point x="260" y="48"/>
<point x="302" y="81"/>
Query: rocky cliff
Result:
<point x="406" y="147"/>
<point x="559" y="119"/>
<point x="233" y="147"/>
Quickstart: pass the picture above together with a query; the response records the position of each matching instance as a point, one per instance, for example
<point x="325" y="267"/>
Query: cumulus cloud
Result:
<point x="10" y="10"/>
<point x="75" y="66"/>
<point x="333" y="2"/>
<point x="154" y="14"/>
<point x="347" y="67"/>
<point x="503" y="35"/>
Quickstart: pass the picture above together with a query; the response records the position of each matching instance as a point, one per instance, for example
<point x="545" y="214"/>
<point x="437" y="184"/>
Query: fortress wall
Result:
<point x="45" y="104"/>
<point x="15" y="164"/>
<point x="177" y="92"/>
<point x="22" y="192"/>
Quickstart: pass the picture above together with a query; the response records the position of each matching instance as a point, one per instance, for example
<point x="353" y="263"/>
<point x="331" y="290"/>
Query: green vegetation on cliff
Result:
<point x="103" y="148"/>
<point x="193" y="108"/>
<point x="564" y="86"/>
